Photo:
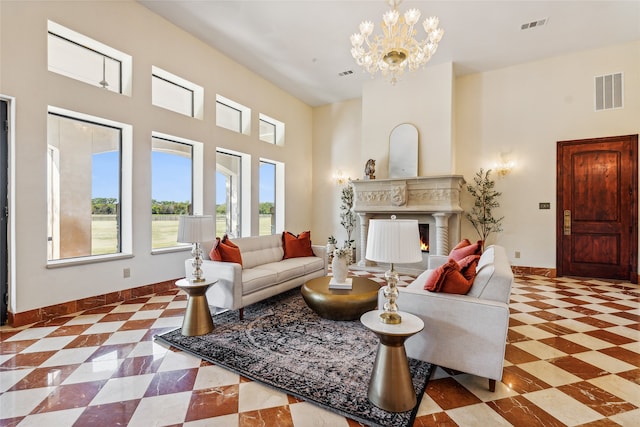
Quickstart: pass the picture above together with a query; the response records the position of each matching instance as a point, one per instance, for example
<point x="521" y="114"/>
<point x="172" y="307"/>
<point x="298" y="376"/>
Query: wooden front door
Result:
<point x="597" y="216"/>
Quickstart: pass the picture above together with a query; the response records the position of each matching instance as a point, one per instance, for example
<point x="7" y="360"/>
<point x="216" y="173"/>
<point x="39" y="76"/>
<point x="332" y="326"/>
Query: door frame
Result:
<point x="633" y="255"/>
<point x="8" y="262"/>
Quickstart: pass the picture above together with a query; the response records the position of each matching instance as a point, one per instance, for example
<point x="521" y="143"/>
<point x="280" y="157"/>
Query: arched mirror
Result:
<point x="403" y="151"/>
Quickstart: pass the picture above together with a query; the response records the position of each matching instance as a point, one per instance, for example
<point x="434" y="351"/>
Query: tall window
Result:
<point x="232" y="115"/>
<point x="82" y="58"/>
<point x="171" y="189"/>
<point x="228" y="193"/>
<point x="267" y="198"/>
<point x="176" y="94"/>
<point x="84" y="188"/>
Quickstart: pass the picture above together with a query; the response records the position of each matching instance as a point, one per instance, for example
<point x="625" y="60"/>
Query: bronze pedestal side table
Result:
<point x="390" y="387"/>
<point x="197" y="317"/>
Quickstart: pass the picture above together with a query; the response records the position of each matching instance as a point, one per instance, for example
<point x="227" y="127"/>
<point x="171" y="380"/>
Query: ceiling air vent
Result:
<point x="345" y="73"/>
<point x="534" y="24"/>
<point x="608" y="91"/>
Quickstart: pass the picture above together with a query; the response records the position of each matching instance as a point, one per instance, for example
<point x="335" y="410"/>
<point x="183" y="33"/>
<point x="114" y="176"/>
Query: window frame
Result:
<point x="278" y="129"/>
<point x="126" y="189"/>
<point x="244" y="127"/>
<point x="197" y="92"/>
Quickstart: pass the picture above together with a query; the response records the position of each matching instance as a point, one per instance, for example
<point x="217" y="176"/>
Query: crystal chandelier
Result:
<point x="395" y="50"/>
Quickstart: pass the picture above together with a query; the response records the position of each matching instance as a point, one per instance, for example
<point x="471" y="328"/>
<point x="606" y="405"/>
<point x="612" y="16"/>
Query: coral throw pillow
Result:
<point x="468" y="266"/>
<point x="448" y="278"/>
<point x="459" y="253"/>
<point x="462" y="244"/>
<point x="297" y="246"/>
<point x="226" y="251"/>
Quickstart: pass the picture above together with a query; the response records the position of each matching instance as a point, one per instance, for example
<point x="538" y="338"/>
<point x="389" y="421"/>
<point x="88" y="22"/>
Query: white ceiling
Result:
<point x="302" y="45"/>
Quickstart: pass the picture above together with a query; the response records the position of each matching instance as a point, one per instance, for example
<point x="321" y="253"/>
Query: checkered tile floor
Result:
<point x="573" y="358"/>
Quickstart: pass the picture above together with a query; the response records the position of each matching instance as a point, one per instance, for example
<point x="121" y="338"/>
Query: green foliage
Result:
<point x="347" y="216"/>
<point x="221" y="209"/>
<point x="265" y="208"/>
<point x="104" y="206"/>
<point x="485" y="200"/>
<point x="170" y="208"/>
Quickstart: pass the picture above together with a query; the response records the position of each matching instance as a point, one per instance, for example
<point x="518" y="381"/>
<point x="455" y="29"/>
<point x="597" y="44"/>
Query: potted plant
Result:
<point x="485" y="199"/>
<point x="348" y="217"/>
<point x="340" y="264"/>
<point x="331" y="246"/>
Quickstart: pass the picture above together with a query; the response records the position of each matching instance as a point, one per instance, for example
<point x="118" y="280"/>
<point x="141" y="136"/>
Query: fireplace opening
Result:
<point x="424" y="237"/>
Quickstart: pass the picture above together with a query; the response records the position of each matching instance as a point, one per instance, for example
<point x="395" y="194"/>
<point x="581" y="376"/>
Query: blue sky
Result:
<point x="171" y="178"/>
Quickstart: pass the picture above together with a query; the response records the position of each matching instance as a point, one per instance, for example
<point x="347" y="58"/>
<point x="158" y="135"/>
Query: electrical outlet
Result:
<point x="517" y="254"/>
<point x="126" y="272"/>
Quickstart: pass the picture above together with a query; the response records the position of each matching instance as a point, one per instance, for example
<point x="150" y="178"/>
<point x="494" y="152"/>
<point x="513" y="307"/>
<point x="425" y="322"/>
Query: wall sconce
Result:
<point x="340" y="178"/>
<point x="506" y="164"/>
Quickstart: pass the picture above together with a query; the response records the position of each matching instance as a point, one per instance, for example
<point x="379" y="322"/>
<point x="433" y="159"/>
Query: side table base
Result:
<point x="197" y="317"/>
<point x="390" y="387"/>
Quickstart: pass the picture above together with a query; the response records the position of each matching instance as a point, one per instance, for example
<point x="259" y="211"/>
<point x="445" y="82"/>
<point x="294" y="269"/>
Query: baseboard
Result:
<point x="534" y="271"/>
<point x="44" y="314"/>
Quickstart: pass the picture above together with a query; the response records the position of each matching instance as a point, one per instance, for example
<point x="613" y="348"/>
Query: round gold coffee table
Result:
<point x="341" y="304"/>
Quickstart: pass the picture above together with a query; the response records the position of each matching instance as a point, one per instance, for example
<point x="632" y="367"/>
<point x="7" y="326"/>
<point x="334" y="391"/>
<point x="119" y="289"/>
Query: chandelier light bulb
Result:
<point x="396" y="49"/>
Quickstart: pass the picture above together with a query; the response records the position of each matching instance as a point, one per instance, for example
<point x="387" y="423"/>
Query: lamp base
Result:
<point x="197" y="279"/>
<point x="390" y="318"/>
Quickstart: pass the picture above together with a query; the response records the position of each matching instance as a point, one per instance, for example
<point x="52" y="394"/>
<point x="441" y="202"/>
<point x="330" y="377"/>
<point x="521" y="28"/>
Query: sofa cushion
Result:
<point x="297" y="246"/>
<point x="258" y="250"/>
<point x="448" y="279"/>
<point x="226" y="251"/>
<point x="254" y="279"/>
<point x="286" y="269"/>
<point x="435" y="281"/>
<point x="468" y="266"/>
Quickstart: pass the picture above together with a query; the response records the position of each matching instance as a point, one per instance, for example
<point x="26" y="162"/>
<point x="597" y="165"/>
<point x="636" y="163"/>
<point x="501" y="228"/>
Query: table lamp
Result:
<point x="196" y="229"/>
<point x="393" y="241"/>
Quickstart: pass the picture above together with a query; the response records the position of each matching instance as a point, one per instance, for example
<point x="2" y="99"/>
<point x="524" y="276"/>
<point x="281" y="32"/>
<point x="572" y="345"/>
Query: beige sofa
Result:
<point x="263" y="272"/>
<point x="467" y="333"/>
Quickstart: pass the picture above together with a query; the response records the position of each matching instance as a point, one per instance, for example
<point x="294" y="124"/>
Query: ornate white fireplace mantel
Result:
<point x="437" y="197"/>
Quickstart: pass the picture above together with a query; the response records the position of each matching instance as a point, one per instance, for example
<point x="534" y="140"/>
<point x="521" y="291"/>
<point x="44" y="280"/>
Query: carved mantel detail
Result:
<point x="435" y="196"/>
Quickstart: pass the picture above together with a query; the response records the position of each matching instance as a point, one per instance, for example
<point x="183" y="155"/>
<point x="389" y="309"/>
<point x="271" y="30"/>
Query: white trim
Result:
<point x="11" y="188"/>
<point x="198" y="91"/>
<point x="245" y="119"/>
<point x="279" y="127"/>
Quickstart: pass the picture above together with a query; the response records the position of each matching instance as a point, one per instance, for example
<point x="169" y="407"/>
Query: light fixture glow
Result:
<point x="397" y="49"/>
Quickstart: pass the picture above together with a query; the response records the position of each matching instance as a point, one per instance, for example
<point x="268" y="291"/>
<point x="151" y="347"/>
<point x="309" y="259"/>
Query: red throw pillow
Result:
<point x="456" y="283"/>
<point x="458" y="254"/>
<point x="297" y="246"/>
<point x="468" y="266"/>
<point x="462" y="244"/>
<point x="437" y="278"/>
<point x="226" y="251"/>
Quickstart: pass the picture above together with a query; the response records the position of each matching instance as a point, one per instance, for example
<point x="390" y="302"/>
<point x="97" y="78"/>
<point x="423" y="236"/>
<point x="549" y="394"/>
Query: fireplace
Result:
<point x="424" y="237"/>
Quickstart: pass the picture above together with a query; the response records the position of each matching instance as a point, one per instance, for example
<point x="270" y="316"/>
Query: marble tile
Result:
<point x="624" y="389"/>
<point x="574" y="325"/>
<point x="69" y="356"/>
<point x="254" y="396"/>
<point x="549" y="373"/>
<point x="214" y="376"/>
<point x="177" y="360"/>
<point x="520" y="381"/>
<point x="307" y="415"/>
<point x="479" y="414"/>
<point x="161" y="410"/>
<point x="522" y="412"/>
<point x="10" y="377"/>
<point x="48" y="344"/>
<point x="110" y="414"/>
<point x="273" y="416"/>
<point x="449" y="394"/>
<point x="628" y="418"/>
<point x="148" y="314"/>
<point x="597" y="399"/>
<point x="32" y="334"/>
<point x="213" y="402"/>
<point x="623" y="354"/>
<point x="123" y="337"/>
<point x="564" y="345"/>
<point x="540" y="350"/>
<point x="563" y="407"/>
<point x="168" y="382"/>
<point x="603" y="361"/>
<point x="58" y="418"/>
<point x="22" y="402"/>
<point x="578" y="367"/>
<point x="121" y="389"/>
<point x="427" y="406"/>
<point x="93" y="371"/>
<point x="587" y="341"/>
<point x="70" y="396"/>
<point x="532" y="332"/>
<point x="103" y="327"/>
<point x="480" y="387"/>
<point x="85" y="319"/>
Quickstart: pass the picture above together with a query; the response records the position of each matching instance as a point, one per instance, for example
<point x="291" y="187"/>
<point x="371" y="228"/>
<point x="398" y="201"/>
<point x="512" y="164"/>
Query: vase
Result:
<point x="339" y="269"/>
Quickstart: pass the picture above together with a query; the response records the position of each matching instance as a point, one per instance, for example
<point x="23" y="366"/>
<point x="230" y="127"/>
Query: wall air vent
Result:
<point x="534" y="24"/>
<point x="345" y="73"/>
<point x="608" y="92"/>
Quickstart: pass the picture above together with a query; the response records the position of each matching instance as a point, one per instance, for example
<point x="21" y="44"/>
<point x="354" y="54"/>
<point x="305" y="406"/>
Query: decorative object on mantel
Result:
<point x="370" y="169"/>
<point x="340" y="264"/>
<point x="331" y="246"/>
<point x="393" y="241"/>
<point x="196" y="229"/>
<point x="403" y="151"/>
<point x="395" y="50"/>
<point x="485" y="199"/>
<point x="347" y="216"/>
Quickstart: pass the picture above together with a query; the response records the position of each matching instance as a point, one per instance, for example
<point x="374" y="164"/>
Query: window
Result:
<point x="88" y="171"/>
<point x="228" y="193"/>
<point x="233" y="116"/>
<point x="171" y="189"/>
<point x="176" y="94"/>
<point x="267" y="199"/>
<point x="81" y="58"/>
<point x="271" y="130"/>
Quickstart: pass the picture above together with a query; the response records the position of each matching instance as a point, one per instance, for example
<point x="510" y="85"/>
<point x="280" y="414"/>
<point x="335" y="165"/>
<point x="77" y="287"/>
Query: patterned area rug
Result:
<point x="282" y="343"/>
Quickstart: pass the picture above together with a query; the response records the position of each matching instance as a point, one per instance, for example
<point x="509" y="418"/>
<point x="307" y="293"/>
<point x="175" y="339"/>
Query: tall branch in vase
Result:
<point x="485" y="200"/>
<point x="347" y="216"/>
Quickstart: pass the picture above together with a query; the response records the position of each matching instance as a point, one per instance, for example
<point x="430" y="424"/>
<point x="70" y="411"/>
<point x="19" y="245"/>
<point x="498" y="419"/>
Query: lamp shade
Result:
<point x="394" y="241"/>
<point x="196" y="228"/>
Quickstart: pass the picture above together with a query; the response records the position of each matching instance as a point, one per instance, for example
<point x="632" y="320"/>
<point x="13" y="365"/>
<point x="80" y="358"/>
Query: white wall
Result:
<point x="150" y="40"/>
<point x="465" y="124"/>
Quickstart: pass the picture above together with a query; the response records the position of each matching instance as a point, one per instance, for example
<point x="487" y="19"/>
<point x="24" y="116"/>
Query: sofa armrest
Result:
<point x="227" y="292"/>
<point x="321" y="252"/>
<point x="436" y="261"/>
<point x="461" y="332"/>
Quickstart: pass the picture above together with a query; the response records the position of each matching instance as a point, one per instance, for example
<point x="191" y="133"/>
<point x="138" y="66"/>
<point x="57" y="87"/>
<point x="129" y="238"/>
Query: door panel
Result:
<point x="597" y="208"/>
<point x="4" y="187"/>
